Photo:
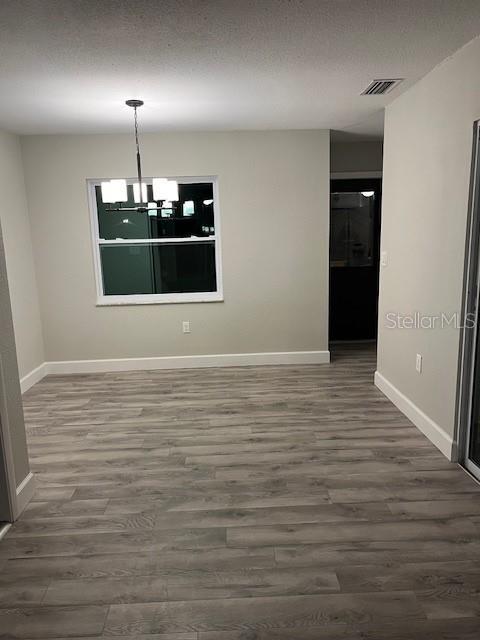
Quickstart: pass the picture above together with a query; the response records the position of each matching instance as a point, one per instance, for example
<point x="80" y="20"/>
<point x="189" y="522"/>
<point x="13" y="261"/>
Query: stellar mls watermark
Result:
<point x="419" y="320"/>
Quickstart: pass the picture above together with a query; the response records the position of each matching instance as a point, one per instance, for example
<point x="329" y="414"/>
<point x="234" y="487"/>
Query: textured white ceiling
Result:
<point x="68" y="65"/>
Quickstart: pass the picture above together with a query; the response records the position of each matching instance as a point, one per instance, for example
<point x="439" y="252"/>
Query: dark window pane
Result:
<point x="351" y="229"/>
<point x="165" y="268"/>
<point x="191" y="216"/>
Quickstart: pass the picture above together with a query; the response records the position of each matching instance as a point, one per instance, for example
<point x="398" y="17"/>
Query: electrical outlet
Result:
<point x="418" y="363"/>
<point x="186" y="326"/>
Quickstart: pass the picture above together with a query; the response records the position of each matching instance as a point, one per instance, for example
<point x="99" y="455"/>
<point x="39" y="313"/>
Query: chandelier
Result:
<point x="115" y="191"/>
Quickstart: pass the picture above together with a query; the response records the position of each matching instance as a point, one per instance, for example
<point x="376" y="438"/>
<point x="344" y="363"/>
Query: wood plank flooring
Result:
<point x="261" y="503"/>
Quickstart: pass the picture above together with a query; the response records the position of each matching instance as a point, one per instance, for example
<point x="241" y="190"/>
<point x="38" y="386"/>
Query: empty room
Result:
<point x="239" y="309"/>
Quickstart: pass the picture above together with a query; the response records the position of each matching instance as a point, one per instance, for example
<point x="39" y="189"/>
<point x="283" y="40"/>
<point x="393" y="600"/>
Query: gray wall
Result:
<point x="273" y="191"/>
<point x="428" y="143"/>
<point x="356" y="156"/>
<point x="19" y="256"/>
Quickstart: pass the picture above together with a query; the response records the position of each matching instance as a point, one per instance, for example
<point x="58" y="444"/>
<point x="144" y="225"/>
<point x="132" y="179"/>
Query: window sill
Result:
<point x="172" y="298"/>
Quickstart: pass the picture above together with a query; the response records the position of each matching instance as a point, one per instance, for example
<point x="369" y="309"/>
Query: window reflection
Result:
<point x="189" y="217"/>
<point x="130" y="269"/>
<point x="351" y="229"/>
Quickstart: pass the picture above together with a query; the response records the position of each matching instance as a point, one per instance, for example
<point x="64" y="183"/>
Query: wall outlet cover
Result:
<point x="418" y="363"/>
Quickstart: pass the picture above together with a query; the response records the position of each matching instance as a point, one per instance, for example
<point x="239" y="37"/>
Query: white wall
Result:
<point x="427" y="155"/>
<point x="274" y="208"/>
<point x="356" y="156"/>
<point x="19" y="256"/>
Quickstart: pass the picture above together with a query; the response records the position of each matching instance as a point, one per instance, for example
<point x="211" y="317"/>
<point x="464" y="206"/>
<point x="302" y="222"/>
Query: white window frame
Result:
<point x="155" y="298"/>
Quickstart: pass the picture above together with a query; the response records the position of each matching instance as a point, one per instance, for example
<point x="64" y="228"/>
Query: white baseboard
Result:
<point x="25" y="491"/>
<point x="426" y="425"/>
<point x="173" y="362"/>
<point x="188" y="362"/>
<point x="4" y="529"/>
<point x="33" y="377"/>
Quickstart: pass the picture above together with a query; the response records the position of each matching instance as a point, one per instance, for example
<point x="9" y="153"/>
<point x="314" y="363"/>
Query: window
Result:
<point x="158" y="256"/>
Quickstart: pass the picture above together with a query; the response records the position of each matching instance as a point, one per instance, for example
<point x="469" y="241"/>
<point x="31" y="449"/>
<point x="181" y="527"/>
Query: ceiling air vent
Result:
<point x="380" y="87"/>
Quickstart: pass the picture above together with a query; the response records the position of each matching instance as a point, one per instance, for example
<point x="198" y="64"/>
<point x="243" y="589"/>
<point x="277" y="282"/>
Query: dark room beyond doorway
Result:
<point x="354" y="258"/>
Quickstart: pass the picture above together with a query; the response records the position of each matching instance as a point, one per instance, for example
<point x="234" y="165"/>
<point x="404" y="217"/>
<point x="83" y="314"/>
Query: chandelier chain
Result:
<point x="139" y="162"/>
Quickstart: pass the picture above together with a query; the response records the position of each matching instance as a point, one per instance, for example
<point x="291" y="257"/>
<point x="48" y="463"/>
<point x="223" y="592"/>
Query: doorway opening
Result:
<point x="355" y="212"/>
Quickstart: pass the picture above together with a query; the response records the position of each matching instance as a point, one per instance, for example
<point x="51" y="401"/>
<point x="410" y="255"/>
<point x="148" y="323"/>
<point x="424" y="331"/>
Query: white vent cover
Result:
<point x="380" y="87"/>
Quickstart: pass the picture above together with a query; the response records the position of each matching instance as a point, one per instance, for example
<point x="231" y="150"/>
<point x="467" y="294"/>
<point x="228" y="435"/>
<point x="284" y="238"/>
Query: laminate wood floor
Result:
<point x="260" y="503"/>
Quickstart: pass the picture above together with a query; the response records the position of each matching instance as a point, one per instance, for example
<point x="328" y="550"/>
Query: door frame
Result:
<point x="470" y="309"/>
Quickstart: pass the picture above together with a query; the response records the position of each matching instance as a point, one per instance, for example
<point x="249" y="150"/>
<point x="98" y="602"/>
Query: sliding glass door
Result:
<point x="468" y="427"/>
<point x="472" y="452"/>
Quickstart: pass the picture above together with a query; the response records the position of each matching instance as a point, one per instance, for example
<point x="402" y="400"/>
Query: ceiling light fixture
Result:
<point x="115" y="191"/>
<point x="368" y="194"/>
